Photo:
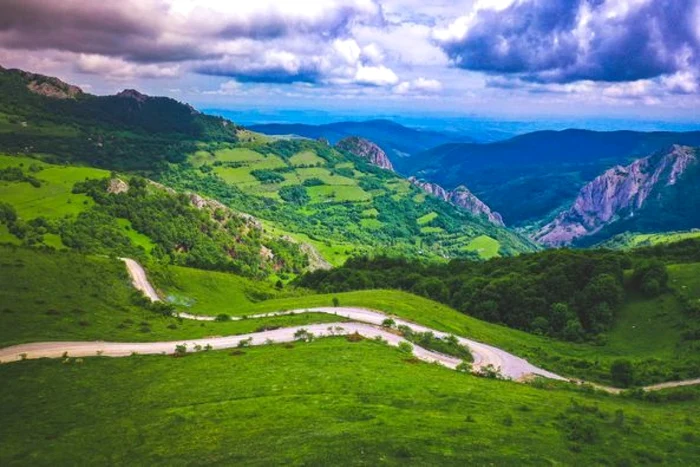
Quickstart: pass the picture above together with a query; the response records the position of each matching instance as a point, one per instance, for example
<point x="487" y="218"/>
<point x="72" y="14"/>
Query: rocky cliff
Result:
<point x="46" y="85"/>
<point x="617" y="194"/>
<point x="461" y="197"/>
<point x="367" y="150"/>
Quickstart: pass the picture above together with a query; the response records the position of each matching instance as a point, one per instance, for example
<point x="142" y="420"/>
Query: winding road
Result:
<point x="362" y="321"/>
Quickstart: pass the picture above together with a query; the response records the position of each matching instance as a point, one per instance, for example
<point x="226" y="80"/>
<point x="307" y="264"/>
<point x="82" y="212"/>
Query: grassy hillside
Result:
<point x="327" y="402"/>
<point x="336" y="201"/>
<point x="55" y="296"/>
<point x="307" y="189"/>
<point x="68" y="206"/>
<point x="628" y="241"/>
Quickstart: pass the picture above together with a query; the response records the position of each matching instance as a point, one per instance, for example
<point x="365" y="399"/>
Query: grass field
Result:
<point x="632" y="240"/>
<point x="65" y="296"/>
<point x="428" y="218"/>
<point x="329" y="402"/>
<point x="486" y="247"/>
<point x="53" y="199"/>
<point x="645" y="329"/>
<point x="306" y="158"/>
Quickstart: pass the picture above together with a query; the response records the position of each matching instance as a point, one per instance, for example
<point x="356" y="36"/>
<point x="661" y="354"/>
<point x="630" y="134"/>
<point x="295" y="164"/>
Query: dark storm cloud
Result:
<point x="126" y="29"/>
<point x="545" y="41"/>
<point x="275" y="74"/>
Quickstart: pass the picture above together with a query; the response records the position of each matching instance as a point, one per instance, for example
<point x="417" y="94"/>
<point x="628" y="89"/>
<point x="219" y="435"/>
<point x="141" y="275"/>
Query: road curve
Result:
<point x="364" y="322"/>
<point x="139" y="279"/>
<point x="509" y="365"/>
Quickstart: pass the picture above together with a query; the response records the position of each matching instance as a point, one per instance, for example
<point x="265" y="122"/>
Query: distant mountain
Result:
<point x="461" y="197"/>
<point x="656" y="193"/>
<point x="129" y="130"/>
<point x="529" y="178"/>
<point x="398" y="141"/>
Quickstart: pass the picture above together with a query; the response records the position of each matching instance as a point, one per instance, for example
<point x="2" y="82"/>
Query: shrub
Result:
<point x="388" y="323"/>
<point x="313" y="182"/>
<point x="267" y="176"/>
<point x="180" y="350"/>
<point x="622" y="373"/>
<point x="405" y="347"/>
<point x="223" y="317"/>
<point x="355" y="337"/>
<point x="464" y="367"/>
<point x="303" y="335"/>
<point x="336" y="302"/>
<point x="489" y="371"/>
<point x="295" y="194"/>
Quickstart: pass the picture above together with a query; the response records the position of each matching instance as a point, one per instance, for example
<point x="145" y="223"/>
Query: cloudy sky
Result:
<point x="625" y="58"/>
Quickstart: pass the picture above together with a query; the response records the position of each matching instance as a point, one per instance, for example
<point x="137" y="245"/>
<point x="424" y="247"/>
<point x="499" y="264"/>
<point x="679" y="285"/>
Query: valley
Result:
<point x="363" y="291"/>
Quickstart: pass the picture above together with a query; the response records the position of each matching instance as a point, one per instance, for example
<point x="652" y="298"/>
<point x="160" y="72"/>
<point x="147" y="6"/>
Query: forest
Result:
<point x="567" y="294"/>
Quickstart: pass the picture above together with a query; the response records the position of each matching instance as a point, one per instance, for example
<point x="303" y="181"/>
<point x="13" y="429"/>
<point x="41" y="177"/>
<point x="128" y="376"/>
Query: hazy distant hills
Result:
<point x="530" y="177"/>
<point x="398" y="141"/>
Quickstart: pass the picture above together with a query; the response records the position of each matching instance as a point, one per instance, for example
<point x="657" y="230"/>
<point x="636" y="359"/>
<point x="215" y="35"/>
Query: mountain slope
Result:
<point x="398" y="141"/>
<point x="300" y="189"/>
<point x="627" y="196"/>
<point x="40" y="114"/>
<point x="529" y="177"/>
<point x="461" y="197"/>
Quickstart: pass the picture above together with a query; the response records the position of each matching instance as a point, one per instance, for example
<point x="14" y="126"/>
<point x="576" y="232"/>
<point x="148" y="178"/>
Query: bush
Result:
<point x="313" y="182"/>
<point x="388" y="323"/>
<point x="180" y="350"/>
<point x="622" y="373"/>
<point x="223" y="317"/>
<point x="303" y="335"/>
<point x="405" y="347"/>
<point x="267" y="176"/>
<point x="295" y="194"/>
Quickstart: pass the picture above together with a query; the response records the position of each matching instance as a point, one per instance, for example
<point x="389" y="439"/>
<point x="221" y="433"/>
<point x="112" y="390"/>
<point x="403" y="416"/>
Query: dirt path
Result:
<point x="364" y="322"/>
<point x="139" y="279"/>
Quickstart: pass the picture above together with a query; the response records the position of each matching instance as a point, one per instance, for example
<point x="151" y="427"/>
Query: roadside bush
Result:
<point x="388" y="323"/>
<point x="405" y="347"/>
<point x="622" y="373"/>
<point x="223" y="317"/>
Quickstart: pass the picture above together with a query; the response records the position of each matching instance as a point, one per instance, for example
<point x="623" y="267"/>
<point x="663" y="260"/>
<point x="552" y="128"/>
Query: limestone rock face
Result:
<point x="616" y="194"/>
<point x="462" y="197"/>
<point x="367" y="150"/>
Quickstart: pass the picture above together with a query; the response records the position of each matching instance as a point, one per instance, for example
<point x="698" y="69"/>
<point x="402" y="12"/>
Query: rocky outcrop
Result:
<point x="367" y="150"/>
<point x="117" y="186"/>
<point x="461" y="197"/>
<point x="616" y="194"/>
<point x="47" y="86"/>
<point x="133" y="94"/>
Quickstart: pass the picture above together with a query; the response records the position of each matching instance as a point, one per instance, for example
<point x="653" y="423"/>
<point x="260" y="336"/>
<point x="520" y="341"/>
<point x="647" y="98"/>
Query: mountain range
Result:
<point x="339" y="199"/>
<point x="398" y="141"/>
<point x="530" y="178"/>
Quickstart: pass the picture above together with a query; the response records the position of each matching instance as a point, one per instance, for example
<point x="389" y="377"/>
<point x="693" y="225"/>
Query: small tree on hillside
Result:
<point x="622" y="373"/>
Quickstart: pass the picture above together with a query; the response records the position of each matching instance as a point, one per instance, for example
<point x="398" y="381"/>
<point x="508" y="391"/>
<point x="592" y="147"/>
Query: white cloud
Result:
<point x="375" y="75"/>
<point x="228" y="88"/>
<point x="119" y="69"/>
<point x="418" y="86"/>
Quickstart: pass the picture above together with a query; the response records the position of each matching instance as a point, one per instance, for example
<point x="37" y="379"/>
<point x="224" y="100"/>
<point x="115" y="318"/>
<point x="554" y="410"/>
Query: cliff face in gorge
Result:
<point x="461" y="197"/>
<point x="366" y="149"/>
<point x="617" y="194"/>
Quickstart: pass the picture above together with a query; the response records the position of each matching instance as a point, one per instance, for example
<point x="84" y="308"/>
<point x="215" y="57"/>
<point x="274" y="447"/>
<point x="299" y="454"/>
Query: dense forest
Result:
<point x="571" y="295"/>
